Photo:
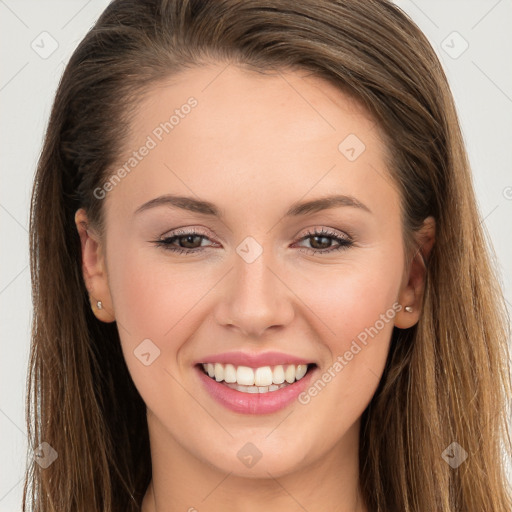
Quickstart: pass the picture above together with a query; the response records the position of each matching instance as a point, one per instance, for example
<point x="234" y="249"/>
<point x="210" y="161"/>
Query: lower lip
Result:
<point x="254" y="403"/>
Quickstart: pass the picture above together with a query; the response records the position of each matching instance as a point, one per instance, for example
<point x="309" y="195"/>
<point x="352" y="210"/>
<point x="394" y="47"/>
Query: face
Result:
<point x="251" y="279"/>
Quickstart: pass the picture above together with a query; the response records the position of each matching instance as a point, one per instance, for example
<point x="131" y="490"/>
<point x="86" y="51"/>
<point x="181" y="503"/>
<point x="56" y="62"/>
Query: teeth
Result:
<point x="219" y="372"/>
<point x="256" y="380"/>
<point x="289" y="374"/>
<point x="301" y="371"/>
<point x="256" y="389"/>
<point x="263" y="376"/>
<point x="278" y="375"/>
<point x="245" y="376"/>
<point x="229" y="373"/>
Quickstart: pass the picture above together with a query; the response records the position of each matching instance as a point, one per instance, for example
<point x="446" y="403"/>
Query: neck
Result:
<point x="181" y="482"/>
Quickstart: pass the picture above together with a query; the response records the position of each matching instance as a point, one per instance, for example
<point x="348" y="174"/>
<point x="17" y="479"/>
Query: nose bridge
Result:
<point x="255" y="298"/>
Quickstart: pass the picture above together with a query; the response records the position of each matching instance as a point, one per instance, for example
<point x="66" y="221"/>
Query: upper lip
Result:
<point x="253" y="360"/>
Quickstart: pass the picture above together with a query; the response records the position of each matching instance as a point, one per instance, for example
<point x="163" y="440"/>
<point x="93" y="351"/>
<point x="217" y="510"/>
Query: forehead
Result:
<point x="229" y="96"/>
<point x="284" y="133"/>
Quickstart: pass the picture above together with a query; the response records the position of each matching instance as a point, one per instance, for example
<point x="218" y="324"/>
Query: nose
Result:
<point x="255" y="298"/>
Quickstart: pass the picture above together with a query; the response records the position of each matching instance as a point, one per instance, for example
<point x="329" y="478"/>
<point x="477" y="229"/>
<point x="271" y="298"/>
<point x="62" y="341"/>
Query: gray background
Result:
<point x="37" y="39"/>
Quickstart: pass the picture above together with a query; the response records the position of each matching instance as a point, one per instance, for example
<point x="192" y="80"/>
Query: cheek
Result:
<point x="349" y="297"/>
<point x="358" y="304"/>
<point x="157" y="298"/>
<point x="153" y="298"/>
<point x="340" y="304"/>
<point x="168" y="301"/>
<point x="154" y="301"/>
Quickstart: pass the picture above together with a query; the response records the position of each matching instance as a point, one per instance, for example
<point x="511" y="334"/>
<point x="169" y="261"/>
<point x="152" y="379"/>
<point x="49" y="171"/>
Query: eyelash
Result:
<point x="344" y="243"/>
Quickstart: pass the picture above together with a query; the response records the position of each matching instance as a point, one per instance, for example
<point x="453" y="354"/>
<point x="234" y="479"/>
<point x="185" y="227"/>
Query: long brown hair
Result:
<point x="446" y="380"/>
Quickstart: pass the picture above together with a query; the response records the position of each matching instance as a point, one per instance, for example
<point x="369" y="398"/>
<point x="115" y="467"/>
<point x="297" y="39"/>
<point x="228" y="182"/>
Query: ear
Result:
<point x="413" y="286"/>
<point x="94" y="269"/>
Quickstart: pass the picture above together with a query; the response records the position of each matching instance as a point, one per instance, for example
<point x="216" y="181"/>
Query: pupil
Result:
<point x="323" y="238"/>
<point x="189" y="238"/>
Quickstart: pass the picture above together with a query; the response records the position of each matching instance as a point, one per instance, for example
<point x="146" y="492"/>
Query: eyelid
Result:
<point x="309" y="231"/>
<point x="189" y="230"/>
<point x="343" y="239"/>
<point x="347" y="234"/>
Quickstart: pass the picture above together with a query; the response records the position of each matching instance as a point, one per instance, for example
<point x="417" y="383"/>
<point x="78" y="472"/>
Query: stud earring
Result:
<point x="100" y="305"/>
<point x="408" y="309"/>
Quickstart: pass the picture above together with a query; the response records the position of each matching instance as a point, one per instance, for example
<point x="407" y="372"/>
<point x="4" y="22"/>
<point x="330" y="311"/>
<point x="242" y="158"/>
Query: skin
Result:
<point x="253" y="145"/>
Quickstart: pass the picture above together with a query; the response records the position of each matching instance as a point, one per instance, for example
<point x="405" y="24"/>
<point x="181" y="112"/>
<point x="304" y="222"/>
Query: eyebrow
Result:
<point x="295" y="210"/>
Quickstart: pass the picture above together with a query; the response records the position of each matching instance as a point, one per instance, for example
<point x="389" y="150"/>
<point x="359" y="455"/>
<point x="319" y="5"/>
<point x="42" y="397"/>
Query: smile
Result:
<point x="261" y="390"/>
<point x="255" y="380"/>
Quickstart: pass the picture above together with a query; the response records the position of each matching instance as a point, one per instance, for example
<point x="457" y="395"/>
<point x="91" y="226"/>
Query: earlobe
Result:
<point x="412" y="291"/>
<point x="94" y="269"/>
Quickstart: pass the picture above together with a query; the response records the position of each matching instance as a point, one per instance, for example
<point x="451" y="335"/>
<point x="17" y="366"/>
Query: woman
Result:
<point x="257" y="222"/>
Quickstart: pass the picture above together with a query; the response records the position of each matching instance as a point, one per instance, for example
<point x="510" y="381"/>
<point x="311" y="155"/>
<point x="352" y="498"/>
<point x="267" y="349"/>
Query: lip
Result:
<point x="253" y="360"/>
<point x="255" y="403"/>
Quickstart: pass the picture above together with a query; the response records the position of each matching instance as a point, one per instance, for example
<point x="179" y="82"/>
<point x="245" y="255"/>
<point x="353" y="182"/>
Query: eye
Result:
<point x="189" y="242"/>
<point x="186" y="240"/>
<point x="322" y="239"/>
